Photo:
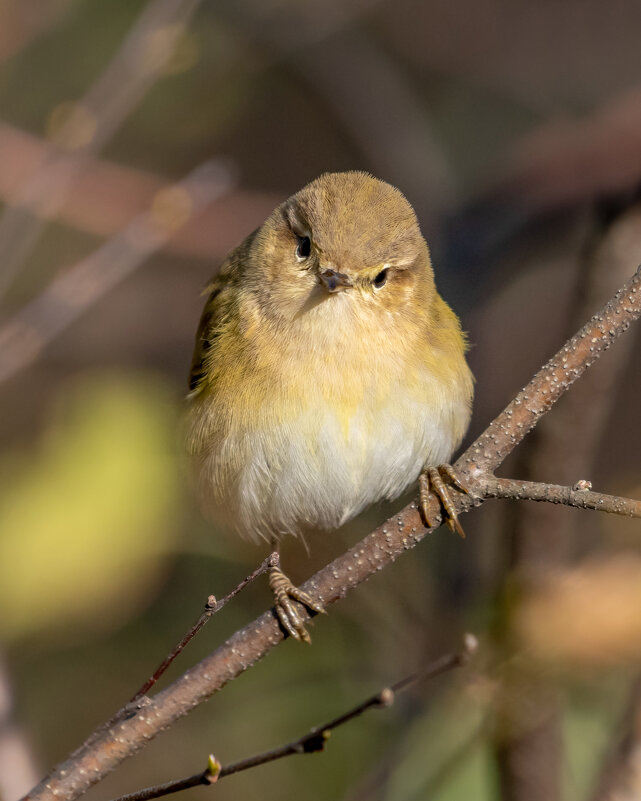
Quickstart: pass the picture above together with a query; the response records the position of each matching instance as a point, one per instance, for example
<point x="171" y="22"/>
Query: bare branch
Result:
<point x="314" y="740"/>
<point x="111" y="744"/>
<point x="554" y="379"/>
<point x="493" y="487"/>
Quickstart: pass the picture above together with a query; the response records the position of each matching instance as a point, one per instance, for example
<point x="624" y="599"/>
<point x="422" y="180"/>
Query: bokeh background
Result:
<point x="139" y="142"/>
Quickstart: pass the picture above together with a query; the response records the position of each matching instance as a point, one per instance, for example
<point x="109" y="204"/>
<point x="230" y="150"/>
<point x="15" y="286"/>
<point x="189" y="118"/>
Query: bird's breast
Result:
<point x="307" y="424"/>
<point x="324" y="445"/>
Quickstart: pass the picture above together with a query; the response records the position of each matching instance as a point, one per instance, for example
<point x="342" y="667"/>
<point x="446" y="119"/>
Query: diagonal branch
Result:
<point x="89" y="125"/>
<point x="113" y="743"/>
<point x="521" y="415"/>
<point x="211" y="608"/>
<point x="313" y="740"/>
<point x="31" y="329"/>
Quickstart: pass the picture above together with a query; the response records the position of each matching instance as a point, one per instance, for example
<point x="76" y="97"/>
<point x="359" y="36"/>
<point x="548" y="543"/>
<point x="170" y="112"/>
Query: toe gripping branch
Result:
<point x="436" y="479"/>
<point x="285" y="593"/>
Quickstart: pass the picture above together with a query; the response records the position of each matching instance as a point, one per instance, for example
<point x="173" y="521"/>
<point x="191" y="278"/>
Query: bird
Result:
<point x="328" y="373"/>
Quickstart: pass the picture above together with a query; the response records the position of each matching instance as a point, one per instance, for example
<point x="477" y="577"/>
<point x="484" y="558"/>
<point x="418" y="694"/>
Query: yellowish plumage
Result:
<point x="308" y="402"/>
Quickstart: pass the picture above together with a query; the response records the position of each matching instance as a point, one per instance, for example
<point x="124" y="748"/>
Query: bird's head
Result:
<point x="345" y="234"/>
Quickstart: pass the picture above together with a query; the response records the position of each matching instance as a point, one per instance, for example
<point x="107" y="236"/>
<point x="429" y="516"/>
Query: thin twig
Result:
<point x="211" y="607"/>
<point x="314" y="740"/>
<point x="72" y="292"/>
<point x="109" y="746"/>
<point x="90" y="124"/>
<point x="492" y="487"/>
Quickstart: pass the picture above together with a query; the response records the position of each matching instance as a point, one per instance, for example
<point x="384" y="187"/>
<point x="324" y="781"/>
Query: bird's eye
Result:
<point x="380" y="280"/>
<point x="304" y="248"/>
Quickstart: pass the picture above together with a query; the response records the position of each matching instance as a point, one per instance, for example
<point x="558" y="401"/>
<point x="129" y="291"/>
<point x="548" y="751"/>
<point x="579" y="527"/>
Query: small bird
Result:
<point x="328" y="373"/>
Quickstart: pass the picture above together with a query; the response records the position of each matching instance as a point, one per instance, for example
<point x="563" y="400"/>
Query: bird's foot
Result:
<point x="285" y="593"/>
<point x="436" y="479"/>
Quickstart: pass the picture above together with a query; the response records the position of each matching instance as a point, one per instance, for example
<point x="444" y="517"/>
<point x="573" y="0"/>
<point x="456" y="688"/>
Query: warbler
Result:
<point x="328" y="373"/>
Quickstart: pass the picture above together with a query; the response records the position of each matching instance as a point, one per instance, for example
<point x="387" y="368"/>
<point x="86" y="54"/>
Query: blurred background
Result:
<point x="139" y="142"/>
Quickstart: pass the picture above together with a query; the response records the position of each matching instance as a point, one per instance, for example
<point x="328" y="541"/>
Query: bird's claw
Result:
<point x="284" y="594"/>
<point x="435" y="479"/>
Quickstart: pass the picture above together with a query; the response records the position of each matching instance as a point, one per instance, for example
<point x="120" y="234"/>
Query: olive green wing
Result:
<point x="219" y="293"/>
<point x="206" y="334"/>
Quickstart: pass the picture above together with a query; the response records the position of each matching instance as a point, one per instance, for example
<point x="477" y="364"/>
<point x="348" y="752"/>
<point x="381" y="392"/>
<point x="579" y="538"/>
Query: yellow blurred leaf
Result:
<point x="590" y="614"/>
<point x="86" y="517"/>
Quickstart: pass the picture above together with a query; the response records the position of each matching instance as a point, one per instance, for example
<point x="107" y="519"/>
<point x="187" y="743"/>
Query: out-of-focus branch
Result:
<point x="620" y="778"/>
<point x="529" y="731"/>
<point x="565" y="164"/>
<point x="571" y="161"/>
<point x="314" y="740"/>
<point x="70" y="294"/>
<point x="23" y="21"/>
<point x="86" y="126"/>
<point x="355" y="77"/>
<point x="18" y="770"/>
<point x="112" y="744"/>
<point x="107" y="197"/>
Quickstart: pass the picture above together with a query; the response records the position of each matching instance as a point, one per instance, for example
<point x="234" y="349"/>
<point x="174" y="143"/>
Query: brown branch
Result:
<point x="492" y="487"/>
<point x="110" y="745"/>
<point x="108" y="196"/>
<point x="314" y="740"/>
<point x="553" y="380"/>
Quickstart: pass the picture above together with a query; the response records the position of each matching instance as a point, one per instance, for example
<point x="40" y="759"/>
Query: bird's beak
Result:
<point x="333" y="281"/>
